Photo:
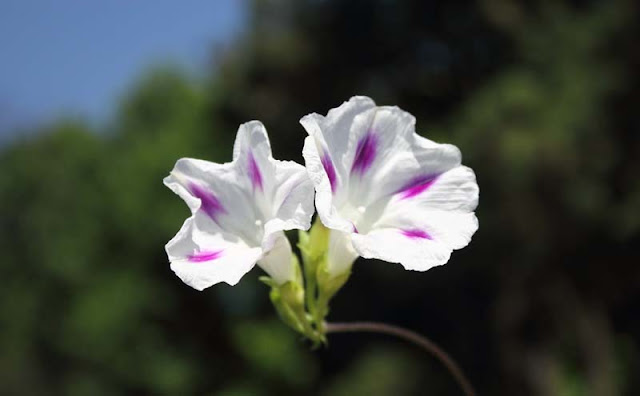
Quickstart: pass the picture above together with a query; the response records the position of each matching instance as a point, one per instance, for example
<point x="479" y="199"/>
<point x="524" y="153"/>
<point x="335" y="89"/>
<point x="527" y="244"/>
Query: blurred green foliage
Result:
<point x="541" y="98"/>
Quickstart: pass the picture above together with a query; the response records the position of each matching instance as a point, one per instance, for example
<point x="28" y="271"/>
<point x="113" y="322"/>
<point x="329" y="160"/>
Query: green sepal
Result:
<point x="313" y="247"/>
<point x="318" y="242"/>
<point x="288" y="299"/>
<point x="268" y="281"/>
<point x="303" y="243"/>
<point x="328" y="286"/>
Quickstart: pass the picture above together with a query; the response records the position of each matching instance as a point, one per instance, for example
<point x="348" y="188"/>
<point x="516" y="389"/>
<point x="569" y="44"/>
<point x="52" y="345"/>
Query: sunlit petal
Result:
<point x="239" y="210"/>
<point x="402" y="198"/>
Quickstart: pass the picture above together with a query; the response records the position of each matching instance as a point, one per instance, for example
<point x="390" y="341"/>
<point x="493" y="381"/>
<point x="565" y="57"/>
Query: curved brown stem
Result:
<point x="408" y="335"/>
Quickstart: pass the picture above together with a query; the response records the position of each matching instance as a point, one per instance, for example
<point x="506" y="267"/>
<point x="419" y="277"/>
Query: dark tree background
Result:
<point x="541" y="97"/>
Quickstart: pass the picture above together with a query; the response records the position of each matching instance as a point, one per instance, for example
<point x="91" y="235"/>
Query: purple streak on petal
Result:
<point x="366" y="151"/>
<point x="209" y="202"/>
<point x="416" y="234"/>
<point x="254" y="172"/>
<point x="417" y="186"/>
<point x="204" y="256"/>
<point x="330" y="170"/>
<point x="355" y="229"/>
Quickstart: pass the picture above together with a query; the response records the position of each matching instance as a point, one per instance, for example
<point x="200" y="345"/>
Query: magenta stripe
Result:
<point x="209" y="202"/>
<point x="366" y="152"/>
<point x="204" y="256"/>
<point x="330" y="170"/>
<point x="417" y="186"/>
<point x="355" y="229"/>
<point x="254" y="172"/>
<point x="416" y="234"/>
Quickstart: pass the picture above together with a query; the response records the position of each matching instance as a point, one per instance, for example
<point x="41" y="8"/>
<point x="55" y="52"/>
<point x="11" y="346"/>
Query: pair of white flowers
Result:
<point x="384" y="192"/>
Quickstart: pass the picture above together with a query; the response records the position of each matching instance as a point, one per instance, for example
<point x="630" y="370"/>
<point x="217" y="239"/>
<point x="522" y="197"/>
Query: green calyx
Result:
<point x="303" y="304"/>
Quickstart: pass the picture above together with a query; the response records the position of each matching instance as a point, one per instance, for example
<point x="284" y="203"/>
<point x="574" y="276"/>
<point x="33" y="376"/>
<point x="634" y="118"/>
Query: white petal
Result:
<point x="385" y="153"/>
<point x="202" y="256"/>
<point x="416" y="237"/>
<point x="402" y="197"/>
<point x="453" y="190"/>
<point x="219" y="192"/>
<point x="251" y="197"/>
<point x="332" y="131"/>
<point x="277" y="262"/>
<point x="252" y="156"/>
<point x="292" y="199"/>
<point x="382" y="155"/>
<point x="239" y="210"/>
<point x="422" y="160"/>
<point x="281" y="189"/>
<point x="341" y="253"/>
<point x="252" y="136"/>
<point x="325" y="202"/>
<point x="325" y="151"/>
<point x="390" y="245"/>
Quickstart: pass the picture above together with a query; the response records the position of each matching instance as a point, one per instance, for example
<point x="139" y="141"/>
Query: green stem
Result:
<point x="413" y="337"/>
<point x="310" y="292"/>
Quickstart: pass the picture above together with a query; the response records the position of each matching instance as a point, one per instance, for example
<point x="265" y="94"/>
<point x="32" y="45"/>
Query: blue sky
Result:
<point x="77" y="57"/>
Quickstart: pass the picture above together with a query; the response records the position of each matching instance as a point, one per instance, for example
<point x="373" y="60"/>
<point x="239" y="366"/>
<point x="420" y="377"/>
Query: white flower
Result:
<point x="239" y="210"/>
<point x="397" y="196"/>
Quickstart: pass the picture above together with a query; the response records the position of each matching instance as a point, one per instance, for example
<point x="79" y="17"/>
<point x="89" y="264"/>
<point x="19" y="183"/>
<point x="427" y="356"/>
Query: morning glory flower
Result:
<point x="387" y="192"/>
<point x="238" y="213"/>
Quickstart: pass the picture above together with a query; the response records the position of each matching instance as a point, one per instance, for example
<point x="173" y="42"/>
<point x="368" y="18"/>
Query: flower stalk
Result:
<point x="410" y="336"/>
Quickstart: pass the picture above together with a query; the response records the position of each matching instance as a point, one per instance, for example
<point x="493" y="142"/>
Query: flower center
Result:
<point x="357" y="215"/>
